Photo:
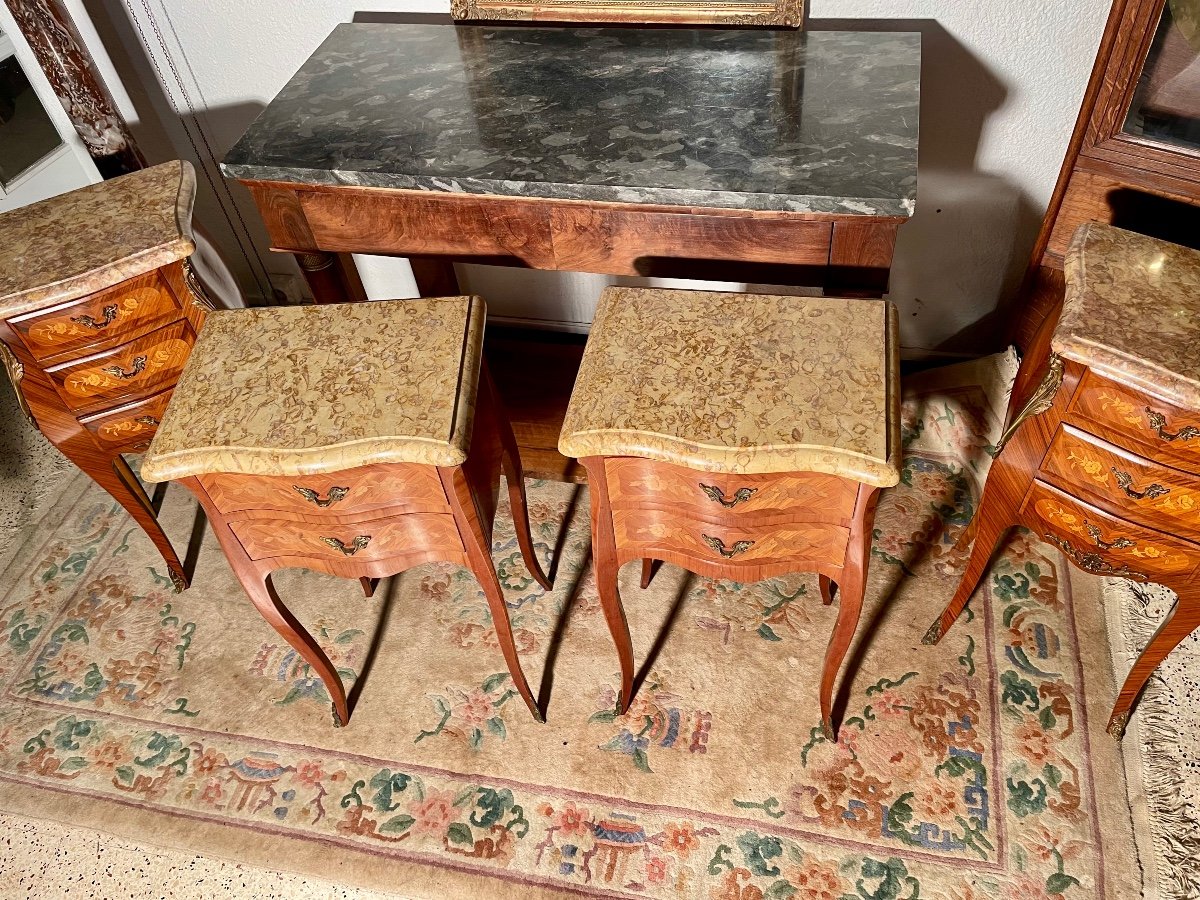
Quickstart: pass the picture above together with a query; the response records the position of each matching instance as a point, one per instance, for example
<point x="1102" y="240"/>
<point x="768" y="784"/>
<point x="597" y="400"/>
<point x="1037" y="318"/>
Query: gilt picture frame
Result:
<point x="777" y="13"/>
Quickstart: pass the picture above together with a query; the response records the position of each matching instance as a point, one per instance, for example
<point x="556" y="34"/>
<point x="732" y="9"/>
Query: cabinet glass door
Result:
<point x="1166" y="102"/>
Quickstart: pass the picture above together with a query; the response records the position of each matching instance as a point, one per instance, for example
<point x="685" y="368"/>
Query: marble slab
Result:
<point x="1132" y="311"/>
<point x="820" y="122"/>
<point x="746" y="383"/>
<point x="303" y="390"/>
<point x="92" y="238"/>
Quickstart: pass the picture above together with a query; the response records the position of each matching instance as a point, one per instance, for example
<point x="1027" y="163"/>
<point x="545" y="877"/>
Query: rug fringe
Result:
<point x="1175" y="834"/>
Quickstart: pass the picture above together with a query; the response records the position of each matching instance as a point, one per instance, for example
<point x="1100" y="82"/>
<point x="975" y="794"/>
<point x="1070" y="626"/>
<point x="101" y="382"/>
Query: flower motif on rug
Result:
<point x="462" y="610"/>
<point x="776" y="608"/>
<point x="113" y="646"/>
<point x="657" y="720"/>
<point x="471" y="715"/>
<point x="960" y="771"/>
<point x="280" y="662"/>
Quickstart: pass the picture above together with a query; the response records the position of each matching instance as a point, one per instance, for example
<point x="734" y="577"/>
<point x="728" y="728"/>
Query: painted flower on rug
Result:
<point x="112" y="646"/>
<point x="929" y="763"/>
<point x="469" y="715"/>
<point x="770" y="609"/>
<point x="463" y="612"/>
<point x="656" y="721"/>
<point x="281" y="663"/>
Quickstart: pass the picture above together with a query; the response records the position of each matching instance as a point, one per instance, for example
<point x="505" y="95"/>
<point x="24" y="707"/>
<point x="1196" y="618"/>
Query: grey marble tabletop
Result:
<point x="764" y="120"/>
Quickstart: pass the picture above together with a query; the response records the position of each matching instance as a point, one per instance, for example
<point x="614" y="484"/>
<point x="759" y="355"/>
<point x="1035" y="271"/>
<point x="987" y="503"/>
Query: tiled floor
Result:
<point x="41" y="859"/>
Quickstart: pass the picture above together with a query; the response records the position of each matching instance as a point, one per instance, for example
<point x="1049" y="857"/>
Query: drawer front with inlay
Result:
<point x="130" y="428"/>
<point x="650" y="532"/>
<point x="1103" y="544"/>
<point x="413" y="488"/>
<point x="1127" y="485"/>
<point x="134" y="370"/>
<point x="362" y="541"/>
<point x="634" y="483"/>
<point x="113" y="316"/>
<point x="1145" y="424"/>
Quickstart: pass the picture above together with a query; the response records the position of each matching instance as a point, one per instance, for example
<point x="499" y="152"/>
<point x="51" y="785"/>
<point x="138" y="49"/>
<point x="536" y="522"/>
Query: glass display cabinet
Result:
<point x="1133" y="160"/>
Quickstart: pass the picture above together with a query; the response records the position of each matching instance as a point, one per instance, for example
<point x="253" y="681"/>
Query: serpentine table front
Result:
<point x="770" y="157"/>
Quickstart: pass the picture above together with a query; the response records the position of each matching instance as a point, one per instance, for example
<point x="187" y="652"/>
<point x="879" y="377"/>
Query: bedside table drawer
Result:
<point x="650" y="532"/>
<point x="1128" y="486"/>
<point x="363" y="541"/>
<point x="1145" y="424"/>
<point x="120" y="314"/>
<point x="636" y="483"/>
<point x="407" y="486"/>
<point x="131" y="371"/>
<point x="131" y="427"/>
<point x="1103" y="544"/>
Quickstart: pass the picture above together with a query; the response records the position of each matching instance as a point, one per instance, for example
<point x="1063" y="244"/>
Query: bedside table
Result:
<point x="355" y="439"/>
<point x="98" y="312"/>
<point x="739" y="436"/>
<point x="1104" y="460"/>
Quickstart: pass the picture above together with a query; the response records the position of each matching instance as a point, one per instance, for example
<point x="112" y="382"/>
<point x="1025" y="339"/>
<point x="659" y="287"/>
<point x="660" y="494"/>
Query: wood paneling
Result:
<point x="1123" y="484"/>
<point x="364" y="540"/>
<point x="133" y="308"/>
<point x="351" y="492"/>
<point x="729" y="500"/>
<point x="1141" y="422"/>
<point x="131" y="371"/>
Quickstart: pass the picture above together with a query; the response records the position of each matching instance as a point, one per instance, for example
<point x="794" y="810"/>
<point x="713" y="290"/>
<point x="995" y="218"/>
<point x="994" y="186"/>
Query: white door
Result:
<point x="40" y="153"/>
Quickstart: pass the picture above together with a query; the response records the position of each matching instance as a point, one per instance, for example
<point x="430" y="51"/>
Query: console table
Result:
<point x="772" y="157"/>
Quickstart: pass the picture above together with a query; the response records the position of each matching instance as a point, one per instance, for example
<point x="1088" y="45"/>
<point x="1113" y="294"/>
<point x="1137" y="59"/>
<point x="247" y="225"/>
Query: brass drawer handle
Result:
<point x="719" y="545"/>
<point x="139" y="365"/>
<point x="1094" y="533"/>
<point x="1125" y="481"/>
<point x="1092" y="562"/>
<point x="147" y="420"/>
<point x="335" y="495"/>
<point x="110" y="315"/>
<point x="357" y="544"/>
<point x="718" y="496"/>
<point x="1159" y="423"/>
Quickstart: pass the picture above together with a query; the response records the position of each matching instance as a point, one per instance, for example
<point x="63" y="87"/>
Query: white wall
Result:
<point x="1002" y="84"/>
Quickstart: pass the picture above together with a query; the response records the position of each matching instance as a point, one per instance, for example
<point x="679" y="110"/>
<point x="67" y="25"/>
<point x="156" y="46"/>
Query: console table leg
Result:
<point x="435" y="276"/>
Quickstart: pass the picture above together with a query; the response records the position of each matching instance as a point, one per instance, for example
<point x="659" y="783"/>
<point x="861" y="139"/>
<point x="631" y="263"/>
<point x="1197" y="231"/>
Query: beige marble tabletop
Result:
<point x="89" y="239"/>
<point x="1132" y="311"/>
<point x="306" y="389"/>
<point x="742" y="383"/>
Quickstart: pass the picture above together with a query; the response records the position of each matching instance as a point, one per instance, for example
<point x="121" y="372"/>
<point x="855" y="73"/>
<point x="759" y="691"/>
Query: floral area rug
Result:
<point x="975" y="769"/>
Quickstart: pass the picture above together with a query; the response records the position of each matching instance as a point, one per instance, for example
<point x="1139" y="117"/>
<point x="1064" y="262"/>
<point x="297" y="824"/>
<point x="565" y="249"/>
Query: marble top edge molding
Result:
<point x="1122" y="287"/>
<point x="103" y="258"/>
<point x="681" y="197"/>
<point x="306" y="390"/>
<point x="802" y="122"/>
<point x="831" y="365"/>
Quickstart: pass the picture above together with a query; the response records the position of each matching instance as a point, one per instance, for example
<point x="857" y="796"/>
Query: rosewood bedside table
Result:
<point x="739" y="436"/>
<point x="98" y="312"/>
<point x="1104" y="460"/>
<point x="355" y="439"/>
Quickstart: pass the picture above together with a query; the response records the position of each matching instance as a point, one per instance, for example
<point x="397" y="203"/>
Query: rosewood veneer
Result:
<point x="98" y="312"/>
<point x="357" y="439"/>
<point x="739" y="436"/>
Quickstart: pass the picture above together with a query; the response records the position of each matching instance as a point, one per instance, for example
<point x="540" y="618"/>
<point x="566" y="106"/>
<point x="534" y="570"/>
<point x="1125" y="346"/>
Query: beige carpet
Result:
<point x="974" y="769"/>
